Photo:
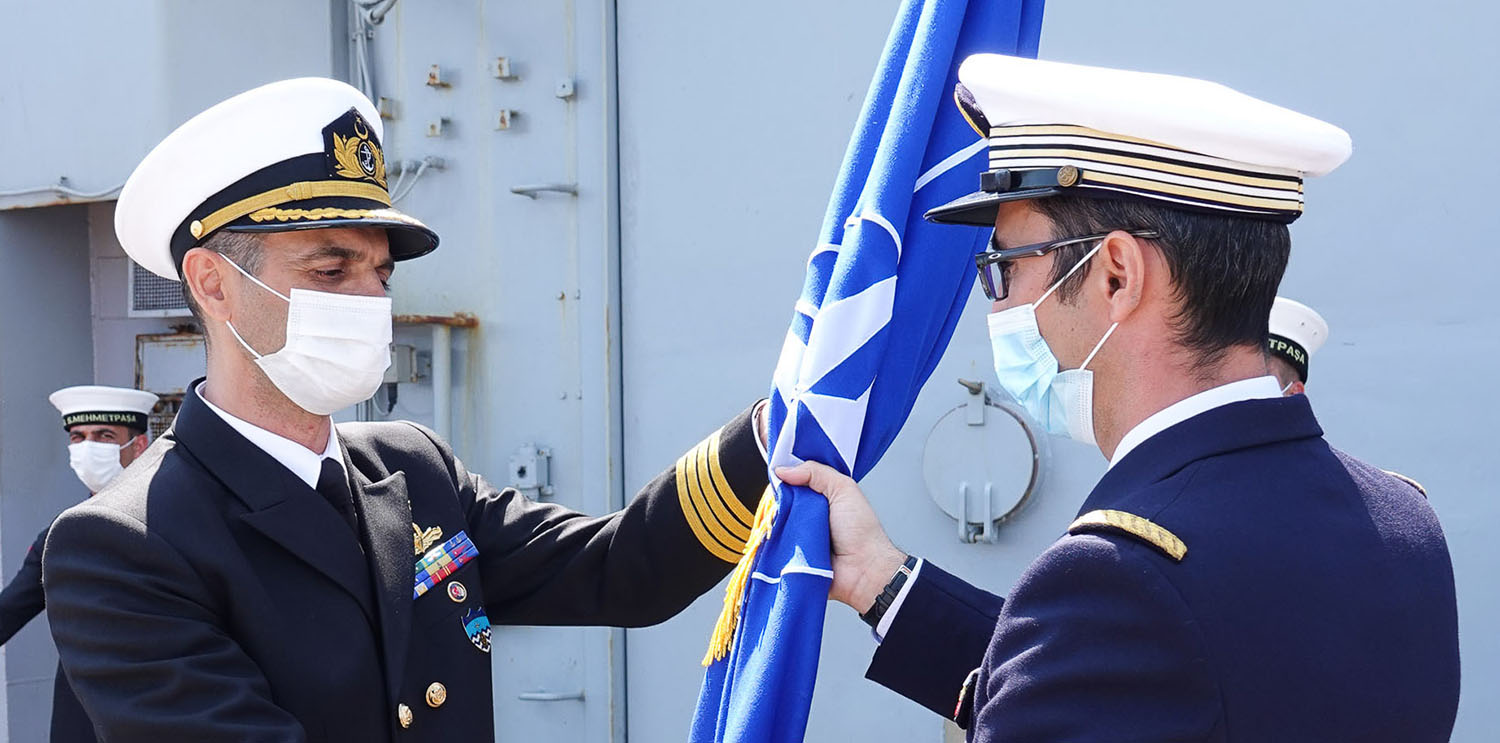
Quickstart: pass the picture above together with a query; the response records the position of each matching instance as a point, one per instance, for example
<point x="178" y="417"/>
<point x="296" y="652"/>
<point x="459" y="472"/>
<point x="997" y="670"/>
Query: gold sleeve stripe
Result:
<point x="690" y="514"/>
<point x="716" y="515"/>
<point x="736" y="507"/>
<point x="729" y="533"/>
<point x="1133" y="525"/>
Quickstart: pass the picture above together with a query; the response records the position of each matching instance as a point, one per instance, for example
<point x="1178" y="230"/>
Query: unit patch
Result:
<point x="477" y="627"/>
<point x="443" y="561"/>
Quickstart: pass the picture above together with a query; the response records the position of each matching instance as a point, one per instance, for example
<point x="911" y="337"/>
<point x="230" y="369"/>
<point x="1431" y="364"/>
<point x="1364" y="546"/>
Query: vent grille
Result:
<point x="154" y="296"/>
<point x="163" y="415"/>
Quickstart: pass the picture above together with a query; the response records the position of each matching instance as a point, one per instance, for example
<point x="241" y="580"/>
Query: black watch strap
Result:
<point x="893" y="588"/>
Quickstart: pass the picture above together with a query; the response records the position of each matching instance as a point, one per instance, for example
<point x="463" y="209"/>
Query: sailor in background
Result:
<point x="107" y="429"/>
<point x="260" y="574"/>
<point x="1297" y="332"/>
<point x="1232" y="577"/>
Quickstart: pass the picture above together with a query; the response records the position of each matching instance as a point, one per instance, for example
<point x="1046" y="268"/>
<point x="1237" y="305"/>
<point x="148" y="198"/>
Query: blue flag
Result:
<point x="883" y="292"/>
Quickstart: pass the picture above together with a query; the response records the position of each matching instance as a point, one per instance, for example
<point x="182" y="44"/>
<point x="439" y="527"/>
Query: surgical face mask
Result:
<point x="1063" y="402"/>
<point x="95" y="462"/>
<point x="337" y="348"/>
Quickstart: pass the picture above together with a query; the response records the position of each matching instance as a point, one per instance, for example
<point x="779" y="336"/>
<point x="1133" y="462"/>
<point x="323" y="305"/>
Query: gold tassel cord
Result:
<point x="734" y="594"/>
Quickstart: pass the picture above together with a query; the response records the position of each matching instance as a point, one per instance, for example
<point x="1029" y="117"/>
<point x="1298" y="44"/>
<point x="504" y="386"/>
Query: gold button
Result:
<point x="196" y="229"/>
<point x="436" y="695"/>
<point x="403" y="715"/>
<point x="1067" y="175"/>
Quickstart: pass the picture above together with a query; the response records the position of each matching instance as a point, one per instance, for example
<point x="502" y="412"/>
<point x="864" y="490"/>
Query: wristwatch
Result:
<point x="882" y="603"/>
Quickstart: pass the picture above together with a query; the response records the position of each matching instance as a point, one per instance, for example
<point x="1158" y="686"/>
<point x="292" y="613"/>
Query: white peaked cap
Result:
<point x="1058" y="128"/>
<point x="244" y="165"/>
<point x="1182" y="112"/>
<point x="97" y="404"/>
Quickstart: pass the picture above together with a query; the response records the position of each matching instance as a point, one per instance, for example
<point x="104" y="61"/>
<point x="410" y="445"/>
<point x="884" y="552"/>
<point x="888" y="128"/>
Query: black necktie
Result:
<point x="334" y="485"/>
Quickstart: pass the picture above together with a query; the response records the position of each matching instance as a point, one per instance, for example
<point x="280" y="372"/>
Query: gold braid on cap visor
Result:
<point x="286" y="194"/>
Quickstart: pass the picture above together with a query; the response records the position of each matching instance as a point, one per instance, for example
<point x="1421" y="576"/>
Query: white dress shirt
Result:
<point x="306" y="464"/>
<point x="1256" y="388"/>
<point x="1245" y="389"/>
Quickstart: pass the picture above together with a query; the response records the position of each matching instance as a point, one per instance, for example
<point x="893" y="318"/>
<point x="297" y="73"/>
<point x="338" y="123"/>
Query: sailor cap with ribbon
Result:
<point x="292" y="155"/>
<point x="1297" y="332"/>
<point x="1091" y="131"/>
<point x="97" y="405"/>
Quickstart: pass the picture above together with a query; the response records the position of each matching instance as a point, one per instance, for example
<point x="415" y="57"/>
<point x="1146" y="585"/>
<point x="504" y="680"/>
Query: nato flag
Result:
<point x="883" y="292"/>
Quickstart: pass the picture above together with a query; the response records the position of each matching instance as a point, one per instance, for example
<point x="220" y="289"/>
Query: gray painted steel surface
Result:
<point x="44" y="314"/>
<point x="541" y="276"/>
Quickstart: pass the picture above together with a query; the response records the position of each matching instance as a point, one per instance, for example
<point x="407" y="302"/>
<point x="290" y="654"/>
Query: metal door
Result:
<point x="499" y="118"/>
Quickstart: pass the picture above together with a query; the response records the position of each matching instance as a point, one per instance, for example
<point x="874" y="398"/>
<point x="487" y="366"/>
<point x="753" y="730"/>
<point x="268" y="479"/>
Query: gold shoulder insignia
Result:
<point x="1408" y="481"/>
<point x="1129" y="523"/>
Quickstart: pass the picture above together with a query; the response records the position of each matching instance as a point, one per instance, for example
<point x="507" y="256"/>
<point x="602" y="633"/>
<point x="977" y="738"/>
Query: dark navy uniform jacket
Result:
<point x="20" y="601"/>
<point x="1314" y="602"/>
<point x="209" y="594"/>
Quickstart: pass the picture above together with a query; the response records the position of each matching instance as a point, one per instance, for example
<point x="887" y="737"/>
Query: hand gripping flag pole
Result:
<point x="883" y="292"/>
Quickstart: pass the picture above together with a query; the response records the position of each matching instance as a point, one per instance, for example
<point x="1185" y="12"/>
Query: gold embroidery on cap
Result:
<point x="359" y="157"/>
<point x="292" y="215"/>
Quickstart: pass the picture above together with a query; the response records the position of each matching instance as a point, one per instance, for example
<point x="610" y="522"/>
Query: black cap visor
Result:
<point x="997" y="187"/>
<point x="981" y="207"/>
<point x="408" y="237"/>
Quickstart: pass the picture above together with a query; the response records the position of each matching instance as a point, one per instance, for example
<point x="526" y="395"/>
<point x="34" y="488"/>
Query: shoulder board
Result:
<point x="1130" y="524"/>
<point x="1408" y="481"/>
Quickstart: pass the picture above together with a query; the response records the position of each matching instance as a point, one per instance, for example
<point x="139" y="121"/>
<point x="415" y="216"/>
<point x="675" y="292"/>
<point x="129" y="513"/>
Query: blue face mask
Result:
<point x="1063" y="402"/>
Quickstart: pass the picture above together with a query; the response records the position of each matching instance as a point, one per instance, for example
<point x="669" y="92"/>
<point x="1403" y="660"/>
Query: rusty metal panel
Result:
<point x="166" y="363"/>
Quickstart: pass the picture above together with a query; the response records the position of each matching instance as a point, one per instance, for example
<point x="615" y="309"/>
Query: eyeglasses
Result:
<point x="994" y="264"/>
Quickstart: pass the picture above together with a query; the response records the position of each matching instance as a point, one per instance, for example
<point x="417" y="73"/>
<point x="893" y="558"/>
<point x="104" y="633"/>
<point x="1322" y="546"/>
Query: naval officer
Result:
<point x="107" y="429"/>
<point x="1297" y="332"/>
<point x="1232" y="577"/>
<point x="261" y="574"/>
